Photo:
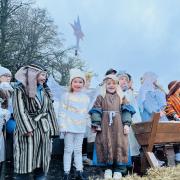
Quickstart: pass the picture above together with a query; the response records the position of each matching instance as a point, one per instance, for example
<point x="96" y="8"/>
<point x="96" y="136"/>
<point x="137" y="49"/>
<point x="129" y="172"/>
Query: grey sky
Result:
<point x="132" y="35"/>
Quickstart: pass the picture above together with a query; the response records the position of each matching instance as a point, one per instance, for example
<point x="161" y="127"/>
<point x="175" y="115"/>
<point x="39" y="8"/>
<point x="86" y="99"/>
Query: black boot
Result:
<point x="67" y="176"/>
<point x="80" y="176"/>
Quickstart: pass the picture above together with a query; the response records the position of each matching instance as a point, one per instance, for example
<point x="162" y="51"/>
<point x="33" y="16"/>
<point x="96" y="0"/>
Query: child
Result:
<point x="111" y="145"/>
<point x="88" y="133"/>
<point x="5" y="92"/>
<point x="151" y="98"/>
<point x="125" y="82"/>
<point x="73" y="121"/>
<point x="36" y="123"/>
<point x="173" y="101"/>
<point x="173" y="109"/>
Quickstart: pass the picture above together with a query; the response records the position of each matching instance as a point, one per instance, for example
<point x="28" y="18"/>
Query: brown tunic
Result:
<point x="111" y="143"/>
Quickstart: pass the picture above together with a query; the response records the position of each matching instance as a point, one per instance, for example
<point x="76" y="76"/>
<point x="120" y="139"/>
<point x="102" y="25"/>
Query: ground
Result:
<point x="55" y="170"/>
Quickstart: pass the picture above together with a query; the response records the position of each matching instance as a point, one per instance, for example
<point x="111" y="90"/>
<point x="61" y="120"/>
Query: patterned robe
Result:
<point x="32" y="115"/>
<point x="111" y="143"/>
<point x="173" y="106"/>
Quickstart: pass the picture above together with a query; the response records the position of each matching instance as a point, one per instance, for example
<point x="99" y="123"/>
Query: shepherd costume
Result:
<point x="34" y="112"/>
<point x="109" y="112"/>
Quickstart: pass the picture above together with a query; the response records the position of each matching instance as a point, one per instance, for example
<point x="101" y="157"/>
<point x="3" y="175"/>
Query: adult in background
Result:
<point x="36" y="123"/>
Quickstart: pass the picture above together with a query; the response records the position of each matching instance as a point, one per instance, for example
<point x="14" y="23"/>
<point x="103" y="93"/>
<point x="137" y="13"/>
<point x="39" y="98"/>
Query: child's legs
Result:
<point x="84" y="148"/>
<point x="68" y="149"/>
<point x="78" y="140"/>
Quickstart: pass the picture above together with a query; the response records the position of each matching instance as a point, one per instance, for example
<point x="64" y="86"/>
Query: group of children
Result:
<point x="110" y="114"/>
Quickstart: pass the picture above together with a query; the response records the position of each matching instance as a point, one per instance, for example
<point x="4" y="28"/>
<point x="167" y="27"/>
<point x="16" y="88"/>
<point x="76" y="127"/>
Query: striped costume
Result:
<point x="173" y="106"/>
<point x="38" y="117"/>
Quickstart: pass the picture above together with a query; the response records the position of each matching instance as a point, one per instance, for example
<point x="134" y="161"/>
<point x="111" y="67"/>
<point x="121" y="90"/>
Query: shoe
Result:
<point x="117" y="175"/>
<point x="67" y="176"/>
<point x="161" y="163"/>
<point x="87" y="161"/>
<point x="177" y="157"/>
<point x="108" y="174"/>
<point x="80" y="175"/>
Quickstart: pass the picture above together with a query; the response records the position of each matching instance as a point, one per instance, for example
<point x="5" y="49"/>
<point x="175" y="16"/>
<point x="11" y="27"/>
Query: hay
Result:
<point x="162" y="173"/>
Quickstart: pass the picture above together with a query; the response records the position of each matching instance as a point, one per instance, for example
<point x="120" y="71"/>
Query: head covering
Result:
<point x="123" y="74"/>
<point x="77" y="73"/>
<point x="118" y="89"/>
<point x="111" y="71"/>
<point x="4" y="70"/>
<point x="27" y="75"/>
<point x="173" y="87"/>
<point x="129" y="76"/>
<point x="149" y="78"/>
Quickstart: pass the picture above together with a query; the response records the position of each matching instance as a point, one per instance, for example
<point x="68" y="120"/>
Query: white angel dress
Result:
<point x="134" y="145"/>
<point x="59" y="91"/>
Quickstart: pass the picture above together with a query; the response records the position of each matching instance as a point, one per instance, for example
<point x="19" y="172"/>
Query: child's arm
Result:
<point x="127" y="113"/>
<point x="170" y="111"/>
<point x="96" y="113"/>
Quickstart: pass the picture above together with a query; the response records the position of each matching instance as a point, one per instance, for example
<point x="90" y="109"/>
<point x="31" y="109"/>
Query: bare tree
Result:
<point x="64" y="61"/>
<point x="29" y="35"/>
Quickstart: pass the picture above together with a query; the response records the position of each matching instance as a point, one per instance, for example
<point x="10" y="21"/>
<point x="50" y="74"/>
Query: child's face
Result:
<point x="41" y="79"/>
<point x="123" y="81"/>
<point x="110" y="86"/>
<point x="177" y="92"/>
<point x="77" y="84"/>
<point x="5" y="78"/>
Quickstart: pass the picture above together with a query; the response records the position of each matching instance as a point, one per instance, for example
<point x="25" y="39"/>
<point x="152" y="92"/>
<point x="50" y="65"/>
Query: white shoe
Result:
<point x="108" y="174"/>
<point x="161" y="163"/>
<point x="117" y="175"/>
<point x="177" y="157"/>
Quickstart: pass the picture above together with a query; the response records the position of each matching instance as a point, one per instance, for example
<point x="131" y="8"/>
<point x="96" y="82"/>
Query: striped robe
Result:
<point x="32" y="115"/>
<point x="173" y="106"/>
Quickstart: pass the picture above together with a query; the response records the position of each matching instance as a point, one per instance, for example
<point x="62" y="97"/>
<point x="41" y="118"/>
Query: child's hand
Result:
<point x="95" y="128"/>
<point x="162" y="113"/>
<point x="126" y="129"/>
<point x="29" y="134"/>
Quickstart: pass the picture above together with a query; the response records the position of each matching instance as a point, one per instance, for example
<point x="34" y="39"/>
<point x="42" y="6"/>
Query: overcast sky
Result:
<point x="132" y="35"/>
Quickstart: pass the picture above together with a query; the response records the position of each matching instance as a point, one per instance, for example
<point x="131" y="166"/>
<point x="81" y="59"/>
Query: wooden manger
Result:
<point x="153" y="133"/>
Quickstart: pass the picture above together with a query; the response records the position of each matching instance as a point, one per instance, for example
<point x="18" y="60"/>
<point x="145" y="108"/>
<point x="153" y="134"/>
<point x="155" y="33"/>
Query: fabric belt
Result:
<point x="111" y="115"/>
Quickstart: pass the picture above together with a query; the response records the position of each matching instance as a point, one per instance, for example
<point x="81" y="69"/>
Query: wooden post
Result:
<point x="169" y="150"/>
<point x="155" y="121"/>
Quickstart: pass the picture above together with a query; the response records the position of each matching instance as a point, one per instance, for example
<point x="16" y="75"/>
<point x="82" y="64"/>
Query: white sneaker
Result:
<point x="117" y="175"/>
<point x="108" y="174"/>
<point x="161" y="163"/>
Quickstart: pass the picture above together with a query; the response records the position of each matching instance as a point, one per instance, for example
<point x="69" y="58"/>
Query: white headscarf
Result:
<point x="27" y="75"/>
<point x="149" y="78"/>
<point x="4" y="70"/>
<point x="118" y="89"/>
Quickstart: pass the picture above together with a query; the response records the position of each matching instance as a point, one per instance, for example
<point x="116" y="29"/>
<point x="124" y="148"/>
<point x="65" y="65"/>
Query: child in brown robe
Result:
<point x="113" y="119"/>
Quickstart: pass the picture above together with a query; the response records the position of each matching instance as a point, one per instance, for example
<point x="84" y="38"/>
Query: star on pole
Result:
<point x="78" y="33"/>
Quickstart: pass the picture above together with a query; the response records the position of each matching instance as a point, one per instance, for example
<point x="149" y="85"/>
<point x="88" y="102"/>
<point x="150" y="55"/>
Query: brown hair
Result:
<point x="173" y="86"/>
<point x="4" y="96"/>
